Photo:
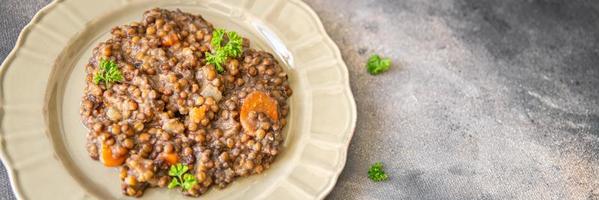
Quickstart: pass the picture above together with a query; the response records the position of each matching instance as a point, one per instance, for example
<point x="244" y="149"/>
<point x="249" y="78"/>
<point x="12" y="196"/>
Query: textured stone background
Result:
<point x="486" y="99"/>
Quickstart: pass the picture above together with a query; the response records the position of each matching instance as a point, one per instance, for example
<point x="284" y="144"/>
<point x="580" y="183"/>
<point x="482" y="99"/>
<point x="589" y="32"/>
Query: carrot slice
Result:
<point x="108" y="159"/>
<point x="257" y="101"/>
<point x="170" y="39"/>
<point x="171" y="158"/>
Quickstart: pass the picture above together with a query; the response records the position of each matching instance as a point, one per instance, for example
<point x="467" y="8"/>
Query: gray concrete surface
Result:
<point x="485" y="100"/>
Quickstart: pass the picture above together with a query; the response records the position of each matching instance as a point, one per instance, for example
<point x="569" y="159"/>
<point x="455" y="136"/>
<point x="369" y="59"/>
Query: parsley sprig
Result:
<point x="220" y="53"/>
<point x="108" y="72"/>
<point x="376" y="172"/>
<point x="233" y="47"/>
<point x="217" y="59"/>
<point x="180" y="178"/>
<point x="377" y="65"/>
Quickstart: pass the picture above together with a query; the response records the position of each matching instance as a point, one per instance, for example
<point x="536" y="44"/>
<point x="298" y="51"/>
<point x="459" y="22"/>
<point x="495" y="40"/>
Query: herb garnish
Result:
<point x="220" y="53"/>
<point x="233" y="47"/>
<point x="376" y="172"/>
<point x="217" y="59"/>
<point x="180" y="178"/>
<point x="377" y="65"/>
<point x="108" y="72"/>
<point x="217" y="37"/>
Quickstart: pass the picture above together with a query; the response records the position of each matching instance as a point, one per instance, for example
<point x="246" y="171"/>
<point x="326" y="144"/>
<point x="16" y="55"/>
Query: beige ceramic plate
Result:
<point x="42" y="79"/>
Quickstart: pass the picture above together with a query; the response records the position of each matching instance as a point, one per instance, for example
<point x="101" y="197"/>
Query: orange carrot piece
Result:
<point x="170" y="39"/>
<point x="171" y="158"/>
<point x="257" y="101"/>
<point x="108" y="159"/>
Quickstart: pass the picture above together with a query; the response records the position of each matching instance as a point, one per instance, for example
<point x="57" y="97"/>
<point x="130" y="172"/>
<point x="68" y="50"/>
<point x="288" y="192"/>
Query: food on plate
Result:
<point x="172" y="101"/>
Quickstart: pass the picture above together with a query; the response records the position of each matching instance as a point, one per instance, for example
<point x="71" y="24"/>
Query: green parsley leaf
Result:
<point x="217" y="59"/>
<point x="376" y="172"/>
<point x="233" y="47"/>
<point x="188" y="181"/>
<point x="108" y="72"/>
<point x="183" y="168"/>
<point x="377" y="65"/>
<point x="177" y="170"/>
<point x="173" y="171"/>
<point x="180" y="177"/>
<point x="188" y="177"/>
<point x="174" y="183"/>
<point x="220" y="53"/>
<point x="217" y="38"/>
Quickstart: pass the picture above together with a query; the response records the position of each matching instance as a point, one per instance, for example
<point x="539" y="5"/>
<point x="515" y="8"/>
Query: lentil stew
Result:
<point x="172" y="107"/>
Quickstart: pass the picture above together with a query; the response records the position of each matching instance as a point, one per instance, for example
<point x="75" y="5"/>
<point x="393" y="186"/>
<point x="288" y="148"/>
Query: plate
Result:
<point x="41" y="82"/>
